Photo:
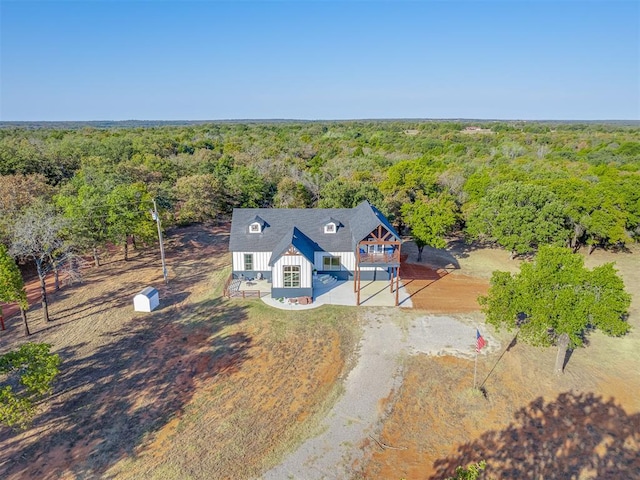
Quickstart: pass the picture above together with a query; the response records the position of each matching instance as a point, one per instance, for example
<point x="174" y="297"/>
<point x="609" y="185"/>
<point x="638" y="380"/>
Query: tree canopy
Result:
<point x="520" y="217"/>
<point x="471" y="472"/>
<point x="430" y="220"/>
<point x="12" y="285"/>
<point x="558" y="295"/>
<point x="520" y="184"/>
<point x="26" y="375"/>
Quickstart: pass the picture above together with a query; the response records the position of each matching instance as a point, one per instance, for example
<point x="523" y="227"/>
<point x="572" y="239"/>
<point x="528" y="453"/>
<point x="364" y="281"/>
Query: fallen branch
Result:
<point x="384" y="445"/>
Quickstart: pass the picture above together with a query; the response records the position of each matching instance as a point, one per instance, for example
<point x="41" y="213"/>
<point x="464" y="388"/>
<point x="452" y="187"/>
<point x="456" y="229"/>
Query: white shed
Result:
<point x="147" y="300"/>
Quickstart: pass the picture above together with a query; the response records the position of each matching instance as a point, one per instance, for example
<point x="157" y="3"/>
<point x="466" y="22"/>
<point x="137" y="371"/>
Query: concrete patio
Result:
<point x="373" y="294"/>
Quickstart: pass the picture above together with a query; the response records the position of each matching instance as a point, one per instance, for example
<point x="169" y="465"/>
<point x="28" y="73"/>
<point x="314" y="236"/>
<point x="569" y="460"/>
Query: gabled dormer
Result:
<point x="332" y="225"/>
<point x="257" y="225"/>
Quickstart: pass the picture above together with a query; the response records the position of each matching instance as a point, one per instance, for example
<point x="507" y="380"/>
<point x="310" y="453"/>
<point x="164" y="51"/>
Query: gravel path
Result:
<point x="376" y="376"/>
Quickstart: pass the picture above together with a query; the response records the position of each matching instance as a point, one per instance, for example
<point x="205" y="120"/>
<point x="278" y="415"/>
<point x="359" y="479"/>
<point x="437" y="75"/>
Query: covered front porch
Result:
<point x="380" y="249"/>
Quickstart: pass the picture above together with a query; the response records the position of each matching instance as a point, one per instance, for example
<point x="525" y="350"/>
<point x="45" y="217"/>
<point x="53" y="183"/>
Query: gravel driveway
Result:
<point x="376" y="376"/>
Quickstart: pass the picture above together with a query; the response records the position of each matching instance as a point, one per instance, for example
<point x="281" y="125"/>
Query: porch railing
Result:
<point x="226" y="289"/>
<point x="393" y="257"/>
<point x="231" y="289"/>
<point x="245" y="294"/>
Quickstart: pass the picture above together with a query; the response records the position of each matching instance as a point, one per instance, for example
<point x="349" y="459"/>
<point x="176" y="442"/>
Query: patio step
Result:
<point x="325" y="280"/>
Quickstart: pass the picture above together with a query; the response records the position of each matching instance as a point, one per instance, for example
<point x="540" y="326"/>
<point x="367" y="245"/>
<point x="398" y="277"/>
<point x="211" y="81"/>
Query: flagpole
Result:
<point x="475" y="370"/>
<point x="479" y="345"/>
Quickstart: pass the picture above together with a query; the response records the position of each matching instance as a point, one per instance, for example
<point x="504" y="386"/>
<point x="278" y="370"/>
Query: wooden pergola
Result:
<point x="386" y="253"/>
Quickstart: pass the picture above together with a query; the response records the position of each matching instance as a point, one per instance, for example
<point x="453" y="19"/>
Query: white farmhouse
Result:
<point x="287" y="246"/>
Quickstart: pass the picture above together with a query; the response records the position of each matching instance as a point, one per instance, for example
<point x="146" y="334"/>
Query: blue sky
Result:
<point x="208" y="60"/>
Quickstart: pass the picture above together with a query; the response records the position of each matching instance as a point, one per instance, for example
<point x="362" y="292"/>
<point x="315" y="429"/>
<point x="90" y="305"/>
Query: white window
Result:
<point x="291" y="276"/>
<point x="254" y="227"/>
<point x="375" y="249"/>
<point x="248" y="261"/>
<point x="331" y="263"/>
<point x="330" y="228"/>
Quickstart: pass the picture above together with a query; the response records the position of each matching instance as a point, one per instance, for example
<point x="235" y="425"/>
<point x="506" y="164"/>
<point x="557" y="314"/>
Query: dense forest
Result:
<point x="517" y="184"/>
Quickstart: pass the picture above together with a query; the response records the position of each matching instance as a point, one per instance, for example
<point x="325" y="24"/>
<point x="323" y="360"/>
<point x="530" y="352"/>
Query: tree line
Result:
<point x="520" y="185"/>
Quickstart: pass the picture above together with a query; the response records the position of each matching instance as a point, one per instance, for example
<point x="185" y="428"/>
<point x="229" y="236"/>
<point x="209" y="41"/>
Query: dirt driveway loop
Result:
<point x="376" y="376"/>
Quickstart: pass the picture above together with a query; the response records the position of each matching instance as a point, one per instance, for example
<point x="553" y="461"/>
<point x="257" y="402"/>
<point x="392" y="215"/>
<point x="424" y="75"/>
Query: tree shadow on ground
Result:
<point x="462" y="247"/>
<point x="105" y="402"/>
<point x="109" y="300"/>
<point x="185" y="248"/>
<point x="436" y="258"/>
<point x="574" y="436"/>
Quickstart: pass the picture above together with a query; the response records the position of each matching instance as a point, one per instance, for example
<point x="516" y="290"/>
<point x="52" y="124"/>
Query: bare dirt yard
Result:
<point x="209" y="388"/>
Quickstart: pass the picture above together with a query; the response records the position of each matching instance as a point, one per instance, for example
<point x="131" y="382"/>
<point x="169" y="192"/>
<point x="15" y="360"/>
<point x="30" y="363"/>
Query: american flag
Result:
<point x="479" y="341"/>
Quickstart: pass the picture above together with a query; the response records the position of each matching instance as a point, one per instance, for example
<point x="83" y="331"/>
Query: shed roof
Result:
<point x="148" y="292"/>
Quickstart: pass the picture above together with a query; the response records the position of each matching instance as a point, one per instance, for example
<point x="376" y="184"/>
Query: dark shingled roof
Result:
<point x="304" y="229"/>
<point x="259" y="220"/>
<point x="296" y="239"/>
<point x="333" y="220"/>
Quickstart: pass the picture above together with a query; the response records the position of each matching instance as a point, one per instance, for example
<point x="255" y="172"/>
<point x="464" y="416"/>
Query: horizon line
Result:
<point x="283" y="119"/>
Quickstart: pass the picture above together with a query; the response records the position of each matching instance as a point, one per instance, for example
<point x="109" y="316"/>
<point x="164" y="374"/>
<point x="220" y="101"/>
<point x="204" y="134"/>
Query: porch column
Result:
<point x="397" y="284"/>
<point x="358" y="289"/>
<point x="392" y="269"/>
<point x="355" y="278"/>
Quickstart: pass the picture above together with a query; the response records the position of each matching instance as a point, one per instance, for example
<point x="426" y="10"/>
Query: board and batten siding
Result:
<point x="347" y="260"/>
<point x="260" y="261"/>
<point x="306" y="269"/>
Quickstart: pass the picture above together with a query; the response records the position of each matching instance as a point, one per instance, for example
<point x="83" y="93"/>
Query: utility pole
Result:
<point x="156" y="217"/>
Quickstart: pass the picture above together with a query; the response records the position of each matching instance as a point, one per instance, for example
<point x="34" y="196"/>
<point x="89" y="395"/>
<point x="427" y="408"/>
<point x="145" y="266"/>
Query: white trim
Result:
<point x="248" y="256"/>
<point x="292" y="270"/>
<point x="330" y="227"/>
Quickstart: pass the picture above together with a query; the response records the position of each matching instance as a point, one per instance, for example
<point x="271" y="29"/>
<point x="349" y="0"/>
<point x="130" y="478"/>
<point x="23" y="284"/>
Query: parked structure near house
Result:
<point x="147" y="300"/>
<point x="286" y="246"/>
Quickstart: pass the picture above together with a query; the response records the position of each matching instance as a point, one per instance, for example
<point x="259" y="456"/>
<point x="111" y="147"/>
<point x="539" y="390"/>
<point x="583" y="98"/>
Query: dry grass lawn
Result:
<point x="201" y="388"/>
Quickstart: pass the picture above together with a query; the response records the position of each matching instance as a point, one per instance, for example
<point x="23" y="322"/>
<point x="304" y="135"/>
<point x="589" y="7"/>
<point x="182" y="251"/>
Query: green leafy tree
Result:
<point x="27" y="374"/>
<point x="472" y="472"/>
<point x="600" y="212"/>
<point x="346" y="193"/>
<point x="430" y="220"/>
<point x="629" y="188"/>
<point x="246" y="188"/>
<point x="12" y="285"/>
<point x="86" y="212"/>
<point x="520" y="217"/>
<point x="291" y="194"/>
<point x="129" y="214"/>
<point x="408" y="179"/>
<point x="605" y="215"/>
<point x="405" y="181"/>
<point x="200" y="198"/>
<point x="477" y="185"/>
<point x="558" y="295"/>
